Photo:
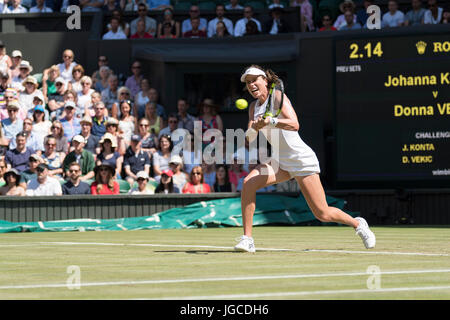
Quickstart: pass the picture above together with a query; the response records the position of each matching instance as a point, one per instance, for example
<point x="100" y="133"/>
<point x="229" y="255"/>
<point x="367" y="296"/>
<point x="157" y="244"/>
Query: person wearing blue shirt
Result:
<point x="71" y="125"/>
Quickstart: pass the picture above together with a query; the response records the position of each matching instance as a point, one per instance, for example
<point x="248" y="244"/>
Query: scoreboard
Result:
<point x="392" y="112"/>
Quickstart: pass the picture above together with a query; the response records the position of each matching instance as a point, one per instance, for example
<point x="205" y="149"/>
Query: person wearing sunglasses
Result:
<point x="66" y="67"/>
<point x="196" y="182"/>
<point x="150" y="23"/>
<point x="194" y="12"/>
<point x="74" y="185"/>
<point x="12" y="125"/>
<point x="327" y="24"/>
<point x="105" y="182"/>
<point x="43" y="185"/>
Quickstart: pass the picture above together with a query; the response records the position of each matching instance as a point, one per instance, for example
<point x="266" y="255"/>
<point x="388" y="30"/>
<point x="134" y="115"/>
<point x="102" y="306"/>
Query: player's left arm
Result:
<point x="287" y="119"/>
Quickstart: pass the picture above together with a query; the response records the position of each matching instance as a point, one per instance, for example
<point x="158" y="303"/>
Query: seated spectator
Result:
<point x="57" y="99"/>
<point x="57" y="131"/>
<point x="85" y="96"/>
<point x="185" y="120"/>
<point x="220" y="17"/>
<point x="347" y="5"/>
<point x="350" y="22"/>
<point x="77" y="75"/>
<point x="162" y="157"/>
<point x="70" y="123"/>
<point x="132" y="5"/>
<point x="91" y="5"/>
<point x="361" y="14"/>
<point x="415" y="16"/>
<point x="194" y="12"/>
<point x="109" y="95"/>
<point x="327" y="23"/>
<point x="240" y="26"/>
<point x="172" y="126"/>
<point x="12" y="126"/>
<point x="33" y="141"/>
<point x="196" y="182"/>
<point x="133" y="82"/>
<point x="37" y="101"/>
<point x="123" y="93"/>
<point x="74" y="185"/>
<point x="209" y="118"/>
<point x="434" y="13"/>
<point x="4" y="81"/>
<point x="209" y="174"/>
<point x="394" y="17"/>
<point x="234" y="5"/>
<point x="102" y="62"/>
<point x="127" y="122"/>
<point x="91" y="140"/>
<point x="96" y="97"/>
<point x="40" y="7"/>
<point x="5" y="60"/>
<point x="52" y="158"/>
<point x="25" y="70"/>
<point x="156" y="122"/>
<point x="49" y="77"/>
<point x="103" y="74"/>
<point x="236" y="172"/>
<point x="222" y="182"/>
<point x="30" y="173"/>
<point x="83" y="157"/>
<point x="277" y="24"/>
<point x="12" y="186"/>
<point x="99" y="121"/>
<point x="141" y="98"/>
<point x="16" y="59"/>
<point x="109" y="155"/>
<point x="15" y="7"/>
<point x="104" y="180"/>
<point x="169" y="28"/>
<point x="142" y="185"/>
<point x="111" y="5"/>
<point x="306" y="14"/>
<point x="123" y="26"/>
<point x="149" y="23"/>
<point x="112" y="127"/>
<point x="135" y="160"/>
<point x="31" y="89"/>
<point x="2" y="171"/>
<point x="166" y="184"/>
<point x="43" y="185"/>
<point x="141" y="33"/>
<point x="179" y="176"/>
<point x="195" y="32"/>
<point x="40" y="126"/>
<point x="149" y="141"/>
<point x="114" y="33"/>
<point x="153" y="96"/>
<point x="221" y="31"/>
<point x="66" y="67"/>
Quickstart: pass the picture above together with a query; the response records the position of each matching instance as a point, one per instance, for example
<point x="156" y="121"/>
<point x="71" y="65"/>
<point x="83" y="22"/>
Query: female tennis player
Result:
<point x="295" y="158"/>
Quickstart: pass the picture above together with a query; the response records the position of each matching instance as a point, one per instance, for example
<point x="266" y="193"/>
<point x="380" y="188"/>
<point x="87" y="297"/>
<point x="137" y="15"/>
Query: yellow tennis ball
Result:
<point x="241" y="104"/>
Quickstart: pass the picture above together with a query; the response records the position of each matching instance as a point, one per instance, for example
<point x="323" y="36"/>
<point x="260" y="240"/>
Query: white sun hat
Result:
<point x="254" y="72"/>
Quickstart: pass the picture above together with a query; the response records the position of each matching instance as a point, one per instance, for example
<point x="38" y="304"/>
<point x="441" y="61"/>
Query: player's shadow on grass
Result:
<point x="198" y="251"/>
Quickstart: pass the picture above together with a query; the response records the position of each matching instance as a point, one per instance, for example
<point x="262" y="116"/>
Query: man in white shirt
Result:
<point x="194" y="12"/>
<point x="220" y="11"/>
<point x="239" y="28"/>
<point x="114" y="33"/>
<point x="150" y="23"/>
<point x="394" y="17"/>
<point x="434" y="14"/>
<point x="16" y="7"/>
<point x="40" y="7"/>
<point x="43" y="185"/>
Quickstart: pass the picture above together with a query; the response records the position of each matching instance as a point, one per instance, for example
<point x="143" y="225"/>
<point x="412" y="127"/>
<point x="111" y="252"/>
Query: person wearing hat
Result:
<point x="83" y="157"/>
<point x="135" y="160"/>
<point x="70" y="123"/>
<point x="56" y="99"/>
<point x="31" y="90"/>
<point x="347" y="5"/>
<point x="179" y="176"/>
<point x="105" y="182"/>
<point x="25" y="70"/>
<point x="74" y="185"/>
<point x="12" y="125"/>
<point x="49" y="77"/>
<point x="30" y="173"/>
<point x="91" y="140"/>
<point x="112" y="127"/>
<point x="143" y="187"/>
<point x="166" y="184"/>
<point x="38" y="101"/>
<point x="16" y="57"/>
<point x="41" y="126"/>
<point x="12" y="186"/>
<point x="277" y="24"/>
<point x="108" y="153"/>
<point x="43" y="185"/>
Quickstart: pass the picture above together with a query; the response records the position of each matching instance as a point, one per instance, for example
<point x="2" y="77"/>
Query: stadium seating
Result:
<point x="124" y="186"/>
<point x="207" y="5"/>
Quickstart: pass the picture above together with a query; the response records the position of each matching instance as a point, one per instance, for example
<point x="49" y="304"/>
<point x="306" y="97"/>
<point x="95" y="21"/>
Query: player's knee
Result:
<point x="323" y="215"/>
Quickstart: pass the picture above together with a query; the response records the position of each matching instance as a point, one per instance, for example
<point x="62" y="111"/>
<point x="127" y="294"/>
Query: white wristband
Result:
<point x="273" y="122"/>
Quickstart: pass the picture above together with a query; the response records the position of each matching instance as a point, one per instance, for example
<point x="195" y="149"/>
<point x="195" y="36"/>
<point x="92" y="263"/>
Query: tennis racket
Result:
<point x="275" y="86"/>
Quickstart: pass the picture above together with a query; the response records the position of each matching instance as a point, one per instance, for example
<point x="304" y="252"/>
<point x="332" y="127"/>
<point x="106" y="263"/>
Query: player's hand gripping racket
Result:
<point x="275" y="86"/>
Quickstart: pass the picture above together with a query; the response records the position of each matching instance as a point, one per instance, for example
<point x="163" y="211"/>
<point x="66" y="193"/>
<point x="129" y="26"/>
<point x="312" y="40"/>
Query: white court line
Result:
<point x="300" y="293"/>
<point x="380" y="252"/>
<point x="265" y="277"/>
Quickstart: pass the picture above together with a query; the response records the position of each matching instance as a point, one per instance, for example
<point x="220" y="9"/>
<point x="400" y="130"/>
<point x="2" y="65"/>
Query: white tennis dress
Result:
<point x="288" y="149"/>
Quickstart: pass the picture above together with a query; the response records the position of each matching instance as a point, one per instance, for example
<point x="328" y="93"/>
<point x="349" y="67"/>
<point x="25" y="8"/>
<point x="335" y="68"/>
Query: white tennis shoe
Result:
<point x="245" y="244"/>
<point x="367" y="236"/>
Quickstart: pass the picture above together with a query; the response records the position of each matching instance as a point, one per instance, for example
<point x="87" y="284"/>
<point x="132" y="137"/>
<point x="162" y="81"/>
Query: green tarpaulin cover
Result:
<point x="270" y="209"/>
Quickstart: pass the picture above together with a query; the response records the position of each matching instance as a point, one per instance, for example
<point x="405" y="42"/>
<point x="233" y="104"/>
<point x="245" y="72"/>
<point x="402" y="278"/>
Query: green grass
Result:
<point x="27" y="260"/>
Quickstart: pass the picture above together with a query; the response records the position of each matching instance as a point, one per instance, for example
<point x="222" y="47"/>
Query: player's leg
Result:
<point x="314" y="194"/>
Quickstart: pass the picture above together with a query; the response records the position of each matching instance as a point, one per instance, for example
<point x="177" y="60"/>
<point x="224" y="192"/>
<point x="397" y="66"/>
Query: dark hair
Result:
<point x="270" y="75"/>
<point x="160" y="187"/>
<point x="227" y="176"/>
<point x="168" y="138"/>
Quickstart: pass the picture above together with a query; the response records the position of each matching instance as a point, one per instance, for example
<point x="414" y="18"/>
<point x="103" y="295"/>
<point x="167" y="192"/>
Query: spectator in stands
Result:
<point x="77" y="74"/>
<point x="394" y="17"/>
<point x="347" y="5"/>
<point x="191" y="154"/>
<point x="38" y="101"/>
<point x="153" y="96"/>
<point x="16" y="58"/>
<point x="434" y="13"/>
<point x="306" y="14"/>
<point x="277" y="24"/>
<point x="41" y="126"/>
<point x="90" y="139"/>
<point x="132" y="5"/>
<point x="103" y="74"/>
<point x="327" y="23"/>
<point x="141" y="98"/>
<point x="361" y="14"/>
<point x="150" y="24"/>
<point x="114" y="33"/>
<point x="194" y="12"/>
<point x="83" y="157"/>
<point x="251" y="29"/>
<point x="135" y="160"/>
<point x="123" y="93"/>
<point x="133" y="82"/>
<point x="221" y="31"/>
<point x="233" y="5"/>
<point x="162" y="157"/>
<point x="43" y="185"/>
<point x="57" y="100"/>
<point x="171" y="127"/>
<point x="31" y="89"/>
<point x="179" y="176"/>
<point x="70" y="123"/>
<point x="5" y="60"/>
<point x="66" y="67"/>
<point x="15" y="7"/>
<point x="112" y="5"/>
<point x="142" y="184"/>
<point x="108" y="153"/>
<point x="185" y="120"/>
<point x="84" y="96"/>
<point x="74" y="185"/>
<point x="2" y="171"/>
<point x="52" y="158"/>
<point x="156" y="122"/>
<point x="222" y="183"/>
<point x="4" y="81"/>
<point x="30" y="173"/>
<point x="91" y="5"/>
<point x="101" y="62"/>
<point x="13" y="125"/>
<point x="99" y="120"/>
<point x="169" y="28"/>
<point x="240" y="26"/>
<point x="24" y="71"/>
<point x="127" y="122"/>
<point x="57" y="131"/>
<point x="109" y="95"/>
<point x="49" y="77"/>
<point x="446" y="15"/>
<point x="123" y="26"/>
<point x="105" y="182"/>
<point x="195" y="32"/>
<point x="166" y="184"/>
<point x="196" y="182"/>
<point x="209" y="173"/>
<point x="209" y="116"/>
<point x="95" y="98"/>
<point x="236" y="172"/>
<point x="220" y="17"/>
<point x="112" y="127"/>
<point x="12" y="187"/>
<point x="149" y="140"/>
<point x="17" y="158"/>
<point x="40" y="7"/>
<point x="33" y="141"/>
<point x="141" y="33"/>
<point x="350" y="22"/>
